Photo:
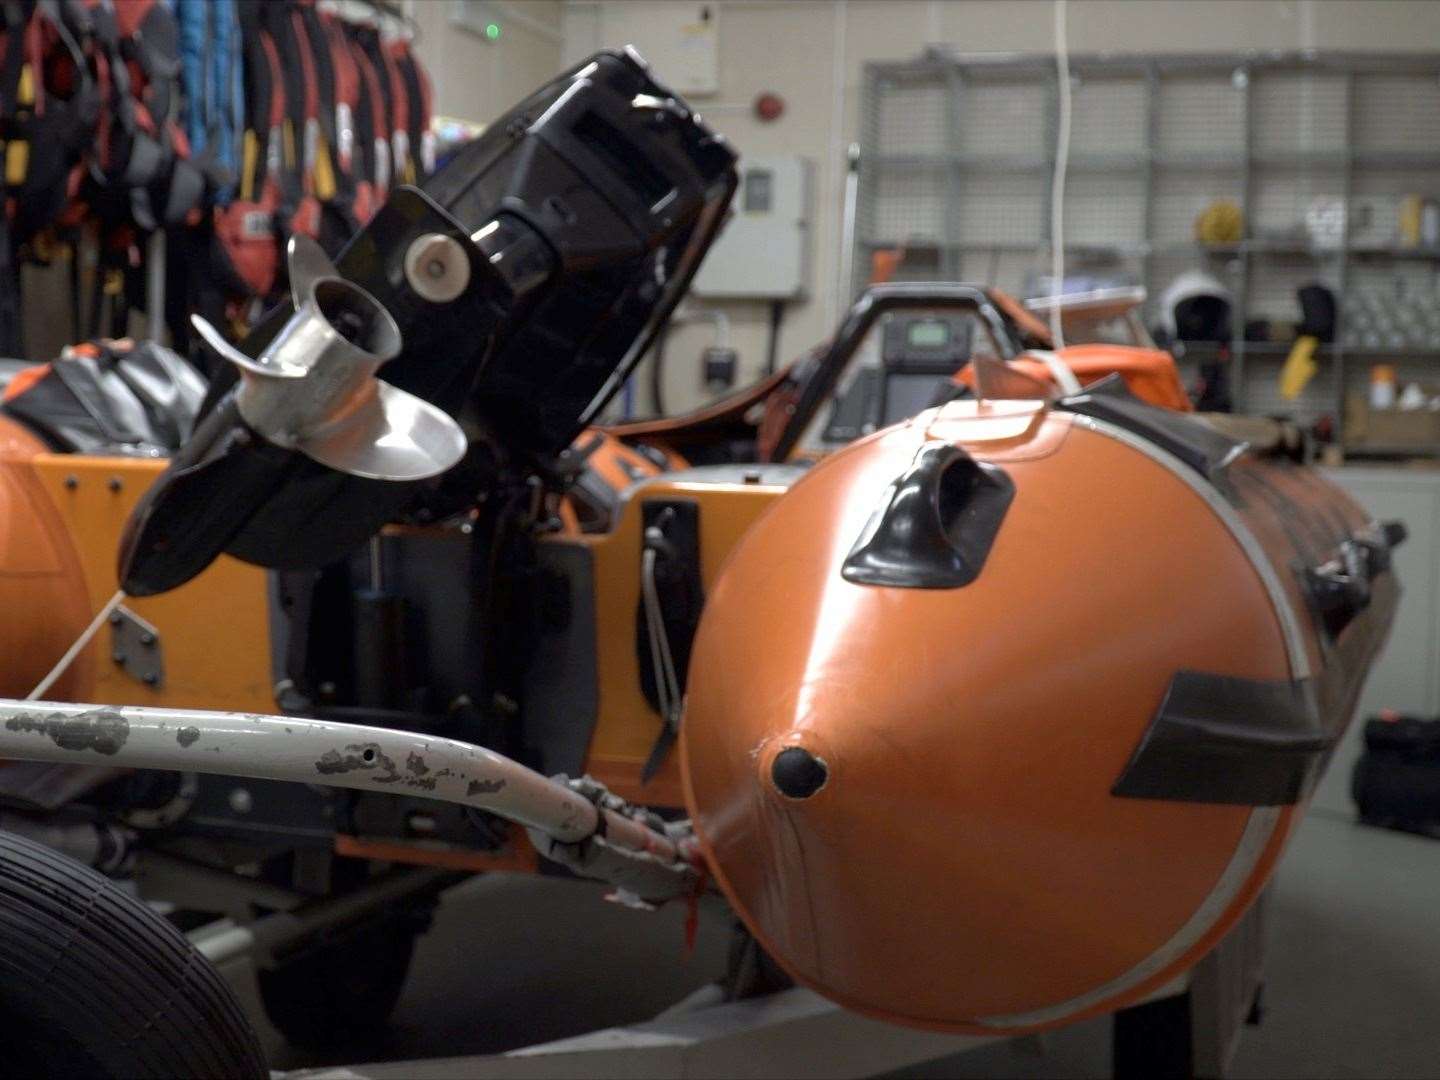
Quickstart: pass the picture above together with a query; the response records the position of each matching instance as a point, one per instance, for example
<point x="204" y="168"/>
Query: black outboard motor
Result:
<point x="525" y="281"/>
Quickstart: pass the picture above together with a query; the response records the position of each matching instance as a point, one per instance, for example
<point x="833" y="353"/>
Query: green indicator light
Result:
<point x="492" y="31"/>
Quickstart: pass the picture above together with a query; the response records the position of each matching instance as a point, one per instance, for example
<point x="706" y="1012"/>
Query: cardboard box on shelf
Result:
<point x="1401" y="429"/>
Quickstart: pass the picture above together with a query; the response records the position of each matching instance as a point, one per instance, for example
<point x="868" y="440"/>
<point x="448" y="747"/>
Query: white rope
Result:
<point x="1057" y="186"/>
<point x="844" y="286"/>
<point x="667" y="686"/>
<point x="44" y="685"/>
<point x="1060" y="371"/>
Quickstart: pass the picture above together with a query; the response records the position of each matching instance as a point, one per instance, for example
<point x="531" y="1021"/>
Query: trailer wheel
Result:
<point x="94" y="983"/>
<point x="344" y="989"/>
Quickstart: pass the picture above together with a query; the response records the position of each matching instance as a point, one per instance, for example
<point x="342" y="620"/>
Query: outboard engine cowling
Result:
<point x="526" y="279"/>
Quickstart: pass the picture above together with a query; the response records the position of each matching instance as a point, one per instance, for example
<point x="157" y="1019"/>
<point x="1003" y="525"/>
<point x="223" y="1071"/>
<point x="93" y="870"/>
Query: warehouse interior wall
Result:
<point x="475" y="79"/>
<point x="812" y="53"/>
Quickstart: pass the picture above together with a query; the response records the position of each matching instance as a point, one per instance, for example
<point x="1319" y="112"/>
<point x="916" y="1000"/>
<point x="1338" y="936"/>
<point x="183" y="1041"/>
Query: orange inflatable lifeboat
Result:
<point x="1040" y="693"/>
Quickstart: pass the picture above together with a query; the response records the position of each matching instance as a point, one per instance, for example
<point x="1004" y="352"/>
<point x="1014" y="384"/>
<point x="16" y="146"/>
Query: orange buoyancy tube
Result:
<point x="940" y="743"/>
<point x="42" y="584"/>
<point x="609" y="468"/>
<point x="1149" y="374"/>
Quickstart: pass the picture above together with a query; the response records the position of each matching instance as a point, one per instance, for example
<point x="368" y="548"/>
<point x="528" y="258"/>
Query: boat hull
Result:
<point x="1008" y="833"/>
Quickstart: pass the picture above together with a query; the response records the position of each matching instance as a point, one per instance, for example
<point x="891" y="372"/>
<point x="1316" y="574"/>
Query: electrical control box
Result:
<point x="763" y="252"/>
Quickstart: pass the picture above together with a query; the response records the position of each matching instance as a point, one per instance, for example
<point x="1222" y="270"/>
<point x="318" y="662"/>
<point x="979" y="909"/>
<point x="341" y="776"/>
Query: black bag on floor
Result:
<point x="1396" y="782"/>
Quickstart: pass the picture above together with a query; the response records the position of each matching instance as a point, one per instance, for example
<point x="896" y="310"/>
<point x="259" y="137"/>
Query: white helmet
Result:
<point x="1195" y="307"/>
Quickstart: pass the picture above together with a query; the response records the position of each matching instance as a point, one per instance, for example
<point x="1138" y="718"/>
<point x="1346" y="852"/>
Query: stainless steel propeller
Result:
<point x="314" y="387"/>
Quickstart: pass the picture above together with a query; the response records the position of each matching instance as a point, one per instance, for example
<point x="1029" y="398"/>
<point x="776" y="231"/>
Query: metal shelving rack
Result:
<point x="957" y="157"/>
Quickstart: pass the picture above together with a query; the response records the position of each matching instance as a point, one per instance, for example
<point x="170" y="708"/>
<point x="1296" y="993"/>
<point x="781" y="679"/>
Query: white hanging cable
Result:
<point x="44" y="685"/>
<point x="838" y="298"/>
<point x="1059" y="371"/>
<point x="667" y="684"/>
<point x="1057" y="186"/>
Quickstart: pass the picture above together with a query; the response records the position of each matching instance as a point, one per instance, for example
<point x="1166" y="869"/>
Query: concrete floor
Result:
<point x="1353" y="978"/>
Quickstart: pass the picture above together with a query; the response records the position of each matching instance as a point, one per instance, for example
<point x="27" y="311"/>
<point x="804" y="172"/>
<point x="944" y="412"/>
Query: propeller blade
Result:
<point x="264" y="365"/>
<point x="308" y="264"/>
<point x="392" y="436"/>
<point x="345" y="419"/>
<point x="313" y="387"/>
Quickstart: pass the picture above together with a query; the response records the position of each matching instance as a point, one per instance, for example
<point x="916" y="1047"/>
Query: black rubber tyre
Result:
<point x="95" y="984"/>
<point x="343" y="990"/>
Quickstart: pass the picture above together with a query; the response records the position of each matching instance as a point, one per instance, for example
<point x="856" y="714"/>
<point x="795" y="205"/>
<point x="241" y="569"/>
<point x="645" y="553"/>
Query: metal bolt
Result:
<point x="115" y="483"/>
<point x="147" y="638"/>
<point x="72" y="481"/>
<point x="150" y="678"/>
<point x="437" y="267"/>
<point x="289" y="697"/>
<point x="118" y="656"/>
<point x="115" y="618"/>
<point x="241" y="801"/>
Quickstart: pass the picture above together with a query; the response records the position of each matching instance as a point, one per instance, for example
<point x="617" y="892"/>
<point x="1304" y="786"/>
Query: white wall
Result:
<point x="813" y="52"/>
<point x="475" y="79"/>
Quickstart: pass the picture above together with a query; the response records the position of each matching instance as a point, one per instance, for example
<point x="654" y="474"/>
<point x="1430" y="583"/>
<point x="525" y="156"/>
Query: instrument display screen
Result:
<point x="928" y="334"/>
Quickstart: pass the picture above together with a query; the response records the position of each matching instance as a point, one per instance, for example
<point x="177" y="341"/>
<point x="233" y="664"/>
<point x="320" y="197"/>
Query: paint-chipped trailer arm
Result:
<point x="339" y="755"/>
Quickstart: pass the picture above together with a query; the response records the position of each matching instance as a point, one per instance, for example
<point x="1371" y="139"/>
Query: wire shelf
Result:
<point x="1319" y="151"/>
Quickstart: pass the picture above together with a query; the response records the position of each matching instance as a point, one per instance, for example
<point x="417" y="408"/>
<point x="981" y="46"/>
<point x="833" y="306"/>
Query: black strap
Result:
<point x="275" y="18"/>
<point x="375" y="50"/>
<point x="364" y="111"/>
<point x="405" y="63"/>
<point x="324" y="70"/>
<point x="258" y="91"/>
<point x="16" y="17"/>
<point x="12" y="338"/>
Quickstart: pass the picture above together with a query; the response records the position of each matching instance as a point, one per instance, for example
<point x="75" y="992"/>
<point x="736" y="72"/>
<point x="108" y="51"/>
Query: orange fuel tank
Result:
<point x="42" y="586"/>
<point x="1003" y="716"/>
